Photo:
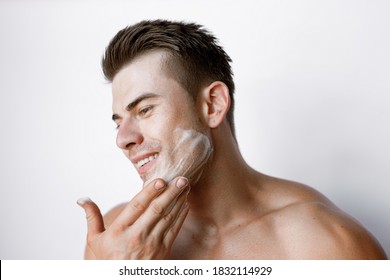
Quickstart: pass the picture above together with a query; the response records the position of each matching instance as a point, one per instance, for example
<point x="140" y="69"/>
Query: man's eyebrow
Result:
<point x="140" y="98"/>
<point x="134" y="103"/>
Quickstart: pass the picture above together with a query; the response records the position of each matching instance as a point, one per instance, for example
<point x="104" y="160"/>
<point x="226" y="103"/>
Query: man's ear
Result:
<point x="215" y="103"/>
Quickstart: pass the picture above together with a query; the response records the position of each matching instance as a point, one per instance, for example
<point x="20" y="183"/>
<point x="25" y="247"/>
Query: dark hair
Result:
<point x="194" y="56"/>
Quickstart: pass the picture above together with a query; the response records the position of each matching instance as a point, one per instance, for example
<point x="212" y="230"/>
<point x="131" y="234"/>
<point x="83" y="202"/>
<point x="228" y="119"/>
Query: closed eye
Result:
<point x="144" y="111"/>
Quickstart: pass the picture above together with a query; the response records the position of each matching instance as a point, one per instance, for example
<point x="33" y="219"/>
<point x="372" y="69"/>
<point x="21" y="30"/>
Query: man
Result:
<point x="173" y="105"/>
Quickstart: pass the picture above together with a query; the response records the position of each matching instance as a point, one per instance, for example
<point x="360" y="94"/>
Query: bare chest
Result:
<point x="243" y="243"/>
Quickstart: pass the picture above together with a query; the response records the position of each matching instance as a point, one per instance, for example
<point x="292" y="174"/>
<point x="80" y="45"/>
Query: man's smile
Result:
<point x="144" y="162"/>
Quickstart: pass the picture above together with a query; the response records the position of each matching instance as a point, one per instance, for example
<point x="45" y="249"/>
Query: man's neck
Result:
<point x="226" y="190"/>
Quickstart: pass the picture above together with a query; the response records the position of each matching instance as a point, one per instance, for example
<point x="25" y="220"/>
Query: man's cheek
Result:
<point x="190" y="152"/>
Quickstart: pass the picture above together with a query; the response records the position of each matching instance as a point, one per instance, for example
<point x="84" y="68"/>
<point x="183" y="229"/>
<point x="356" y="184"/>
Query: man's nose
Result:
<point x="128" y="135"/>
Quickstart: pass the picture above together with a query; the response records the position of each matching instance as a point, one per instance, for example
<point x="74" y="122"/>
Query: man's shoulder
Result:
<point x="315" y="228"/>
<point x="325" y="232"/>
<point x="286" y="193"/>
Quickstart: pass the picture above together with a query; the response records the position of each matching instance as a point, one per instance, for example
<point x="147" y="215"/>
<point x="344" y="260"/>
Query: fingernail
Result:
<point x="159" y="184"/>
<point x="181" y="183"/>
<point x="83" y="200"/>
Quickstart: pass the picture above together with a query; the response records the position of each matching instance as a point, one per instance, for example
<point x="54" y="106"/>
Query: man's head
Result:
<point x="194" y="59"/>
<point x="172" y="92"/>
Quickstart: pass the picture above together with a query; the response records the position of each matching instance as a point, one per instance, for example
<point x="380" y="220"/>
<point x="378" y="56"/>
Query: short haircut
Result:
<point x="194" y="59"/>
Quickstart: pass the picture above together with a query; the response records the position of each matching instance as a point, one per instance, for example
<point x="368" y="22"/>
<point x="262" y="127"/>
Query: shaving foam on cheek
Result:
<point x="191" y="152"/>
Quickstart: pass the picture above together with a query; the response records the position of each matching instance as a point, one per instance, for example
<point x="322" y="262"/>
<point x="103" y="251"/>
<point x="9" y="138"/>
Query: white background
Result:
<point x="313" y="99"/>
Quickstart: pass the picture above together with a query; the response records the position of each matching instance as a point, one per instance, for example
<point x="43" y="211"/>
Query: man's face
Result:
<point x="159" y="128"/>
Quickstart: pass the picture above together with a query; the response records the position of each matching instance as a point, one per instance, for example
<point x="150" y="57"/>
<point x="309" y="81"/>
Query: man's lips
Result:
<point x="143" y="161"/>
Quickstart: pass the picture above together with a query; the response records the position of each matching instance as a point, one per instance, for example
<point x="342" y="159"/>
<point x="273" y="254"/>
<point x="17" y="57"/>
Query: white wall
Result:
<point x="312" y="106"/>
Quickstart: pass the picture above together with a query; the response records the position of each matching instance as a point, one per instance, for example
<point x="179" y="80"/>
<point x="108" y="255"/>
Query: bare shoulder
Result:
<point x="310" y="226"/>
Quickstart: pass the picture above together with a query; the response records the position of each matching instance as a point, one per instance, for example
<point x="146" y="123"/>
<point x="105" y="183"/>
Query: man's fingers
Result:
<point x="171" y="215"/>
<point x="138" y="205"/>
<point x="174" y="230"/>
<point x="162" y="205"/>
<point x="94" y="217"/>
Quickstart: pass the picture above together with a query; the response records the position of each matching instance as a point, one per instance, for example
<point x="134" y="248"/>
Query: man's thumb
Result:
<point x="94" y="217"/>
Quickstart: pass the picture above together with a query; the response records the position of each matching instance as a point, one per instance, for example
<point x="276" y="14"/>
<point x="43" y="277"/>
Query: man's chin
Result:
<point x="145" y="179"/>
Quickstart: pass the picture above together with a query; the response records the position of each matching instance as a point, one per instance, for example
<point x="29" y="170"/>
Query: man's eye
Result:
<point x="145" y="110"/>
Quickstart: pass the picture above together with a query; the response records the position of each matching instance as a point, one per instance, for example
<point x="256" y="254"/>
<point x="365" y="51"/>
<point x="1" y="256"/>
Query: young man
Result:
<point x="173" y="105"/>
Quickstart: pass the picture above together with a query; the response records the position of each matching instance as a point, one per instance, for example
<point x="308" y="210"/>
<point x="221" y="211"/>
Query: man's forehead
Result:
<point x="144" y="75"/>
<point x="140" y="75"/>
<point x="147" y="64"/>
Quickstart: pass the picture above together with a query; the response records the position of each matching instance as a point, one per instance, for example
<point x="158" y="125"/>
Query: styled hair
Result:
<point x="194" y="59"/>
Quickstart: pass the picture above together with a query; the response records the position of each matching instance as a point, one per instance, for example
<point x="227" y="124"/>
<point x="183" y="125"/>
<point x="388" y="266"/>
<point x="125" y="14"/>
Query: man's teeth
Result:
<point x="146" y="160"/>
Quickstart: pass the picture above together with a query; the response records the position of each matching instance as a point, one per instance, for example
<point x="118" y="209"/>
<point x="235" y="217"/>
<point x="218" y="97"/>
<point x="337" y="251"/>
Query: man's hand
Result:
<point x="147" y="226"/>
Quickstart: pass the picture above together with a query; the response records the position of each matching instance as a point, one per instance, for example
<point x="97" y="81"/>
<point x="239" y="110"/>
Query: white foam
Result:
<point x="191" y="152"/>
<point x="83" y="200"/>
